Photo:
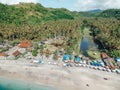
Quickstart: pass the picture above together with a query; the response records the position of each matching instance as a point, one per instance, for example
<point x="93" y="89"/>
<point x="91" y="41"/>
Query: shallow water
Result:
<point x="10" y="84"/>
<point x="86" y="44"/>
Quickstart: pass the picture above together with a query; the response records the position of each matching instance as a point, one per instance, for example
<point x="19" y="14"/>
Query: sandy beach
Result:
<point x="72" y="78"/>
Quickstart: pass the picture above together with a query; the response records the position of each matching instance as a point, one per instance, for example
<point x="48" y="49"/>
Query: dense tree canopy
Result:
<point x="111" y="13"/>
<point x="35" y="22"/>
<point x="107" y="31"/>
<point x="29" y="13"/>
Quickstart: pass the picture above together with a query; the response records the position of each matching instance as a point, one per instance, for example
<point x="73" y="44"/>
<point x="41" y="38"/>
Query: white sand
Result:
<point x="74" y="78"/>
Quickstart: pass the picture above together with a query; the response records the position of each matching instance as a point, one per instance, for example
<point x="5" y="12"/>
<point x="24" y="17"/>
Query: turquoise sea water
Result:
<point x="10" y="84"/>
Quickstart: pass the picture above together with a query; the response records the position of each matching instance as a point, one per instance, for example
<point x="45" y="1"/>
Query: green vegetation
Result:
<point x="29" y="13"/>
<point x="106" y="31"/>
<point x="55" y="57"/>
<point x="89" y="14"/>
<point x="115" y="53"/>
<point x="110" y="13"/>
<point x="94" y="54"/>
<point x="1" y="38"/>
<point x="69" y="29"/>
<point x="42" y="49"/>
<point x="14" y="43"/>
<point x="47" y="53"/>
<point x="34" y="52"/>
<point x="35" y="22"/>
<point x="4" y="50"/>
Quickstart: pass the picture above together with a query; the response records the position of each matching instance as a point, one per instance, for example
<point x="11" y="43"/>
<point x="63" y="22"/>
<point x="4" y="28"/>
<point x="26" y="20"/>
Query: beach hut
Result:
<point x="77" y="59"/>
<point x="25" y="44"/>
<point x="66" y="57"/>
<point x="104" y="55"/>
<point x="3" y="56"/>
<point x="105" y="59"/>
<point x="16" y="53"/>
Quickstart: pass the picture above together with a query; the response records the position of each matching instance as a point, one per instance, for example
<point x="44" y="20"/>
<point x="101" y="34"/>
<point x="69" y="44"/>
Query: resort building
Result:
<point x="104" y="56"/>
<point x="3" y="56"/>
<point x="16" y="53"/>
<point x="107" y="60"/>
<point x="25" y="44"/>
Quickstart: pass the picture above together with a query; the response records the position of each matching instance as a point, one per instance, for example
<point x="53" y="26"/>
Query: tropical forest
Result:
<point x="35" y="22"/>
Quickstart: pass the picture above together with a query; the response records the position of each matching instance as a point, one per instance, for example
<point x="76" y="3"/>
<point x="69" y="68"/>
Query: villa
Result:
<point x="3" y="56"/>
<point x="16" y="53"/>
<point x="25" y="44"/>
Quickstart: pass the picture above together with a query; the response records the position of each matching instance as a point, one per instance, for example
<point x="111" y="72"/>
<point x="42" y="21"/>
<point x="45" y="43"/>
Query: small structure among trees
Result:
<point x="25" y="44"/>
<point x="3" y="55"/>
<point x="16" y="53"/>
<point x="107" y="61"/>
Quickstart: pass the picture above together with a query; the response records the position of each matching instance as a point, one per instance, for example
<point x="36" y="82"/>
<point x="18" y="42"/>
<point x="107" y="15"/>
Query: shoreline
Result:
<point x="73" y="78"/>
<point x="22" y="84"/>
<point x="30" y="74"/>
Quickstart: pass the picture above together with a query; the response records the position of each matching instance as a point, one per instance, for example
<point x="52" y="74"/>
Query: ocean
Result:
<point x="10" y="84"/>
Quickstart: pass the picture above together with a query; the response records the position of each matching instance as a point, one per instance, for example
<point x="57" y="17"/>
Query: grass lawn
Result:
<point x="51" y="47"/>
<point x="94" y="54"/>
<point x="87" y="32"/>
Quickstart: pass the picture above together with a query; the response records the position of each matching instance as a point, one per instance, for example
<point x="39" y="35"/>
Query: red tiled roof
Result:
<point x="16" y="53"/>
<point x="3" y="54"/>
<point x="104" y="55"/>
<point x="25" y="44"/>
